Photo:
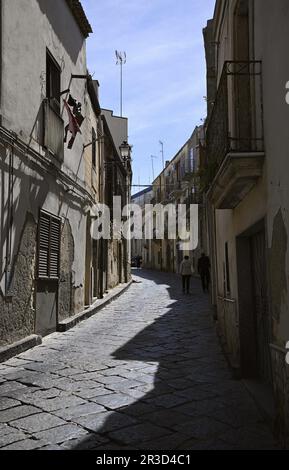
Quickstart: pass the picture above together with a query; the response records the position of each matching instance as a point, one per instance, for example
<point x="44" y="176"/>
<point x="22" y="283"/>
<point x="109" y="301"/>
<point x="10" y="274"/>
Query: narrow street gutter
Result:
<point x="70" y="322"/>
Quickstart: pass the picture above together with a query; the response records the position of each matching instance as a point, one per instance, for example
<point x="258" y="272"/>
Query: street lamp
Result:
<point x="125" y="151"/>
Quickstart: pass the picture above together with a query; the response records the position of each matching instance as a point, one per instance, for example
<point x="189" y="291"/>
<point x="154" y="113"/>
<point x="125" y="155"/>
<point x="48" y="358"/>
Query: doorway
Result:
<point x="254" y="318"/>
<point x="119" y="262"/>
<point x="47" y="281"/>
<point x="261" y="311"/>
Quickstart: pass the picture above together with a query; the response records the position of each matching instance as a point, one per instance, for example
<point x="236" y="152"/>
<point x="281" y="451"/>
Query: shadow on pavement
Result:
<point x="186" y="398"/>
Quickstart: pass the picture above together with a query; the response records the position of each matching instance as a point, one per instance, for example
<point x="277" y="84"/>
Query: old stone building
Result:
<point x="142" y="247"/>
<point x="52" y="162"/>
<point x="179" y="183"/>
<point x="117" y="183"/>
<point x="246" y="185"/>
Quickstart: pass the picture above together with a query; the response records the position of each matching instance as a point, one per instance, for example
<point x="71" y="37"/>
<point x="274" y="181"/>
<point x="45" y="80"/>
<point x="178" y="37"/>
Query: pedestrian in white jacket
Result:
<point x="186" y="271"/>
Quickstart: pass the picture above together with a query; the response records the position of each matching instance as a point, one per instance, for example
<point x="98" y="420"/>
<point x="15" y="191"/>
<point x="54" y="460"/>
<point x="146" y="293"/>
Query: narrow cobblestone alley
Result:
<point x="146" y="372"/>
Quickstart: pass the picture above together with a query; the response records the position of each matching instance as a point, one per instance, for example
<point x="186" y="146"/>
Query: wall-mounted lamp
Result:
<point x="125" y="151"/>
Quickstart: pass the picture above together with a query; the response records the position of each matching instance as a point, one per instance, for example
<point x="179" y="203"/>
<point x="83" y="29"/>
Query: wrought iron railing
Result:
<point x="236" y="120"/>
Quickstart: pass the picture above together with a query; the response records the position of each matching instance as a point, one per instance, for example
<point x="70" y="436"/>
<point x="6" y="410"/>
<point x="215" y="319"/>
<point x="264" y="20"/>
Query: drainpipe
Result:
<point x="9" y="221"/>
<point x="101" y="267"/>
<point x="1" y="58"/>
<point x="101" y="188"/>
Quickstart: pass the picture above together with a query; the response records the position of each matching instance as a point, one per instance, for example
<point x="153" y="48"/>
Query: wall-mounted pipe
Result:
<point x="8" y="263"/>
<point x="1" y="58"/>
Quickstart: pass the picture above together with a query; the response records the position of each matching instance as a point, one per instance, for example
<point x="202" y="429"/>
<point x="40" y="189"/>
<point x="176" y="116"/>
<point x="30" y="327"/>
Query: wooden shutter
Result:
<point x="54" y="248"/>
<point x="48" y="246"/>
<point x="93" y="148"/>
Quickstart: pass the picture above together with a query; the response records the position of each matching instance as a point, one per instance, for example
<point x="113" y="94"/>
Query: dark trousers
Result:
<point x="186" y="282"/>
<point x="205" y="277"/>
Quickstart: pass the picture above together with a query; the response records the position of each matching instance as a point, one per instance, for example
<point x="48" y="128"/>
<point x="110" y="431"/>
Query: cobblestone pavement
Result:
<point x="146" y="372"/>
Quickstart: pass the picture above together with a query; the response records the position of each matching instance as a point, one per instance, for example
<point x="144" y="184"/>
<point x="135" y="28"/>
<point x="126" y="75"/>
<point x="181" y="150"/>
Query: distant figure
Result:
<point x="204" y="266"/>
<point x="138" y="261"/>
<point x="186" y="271"/>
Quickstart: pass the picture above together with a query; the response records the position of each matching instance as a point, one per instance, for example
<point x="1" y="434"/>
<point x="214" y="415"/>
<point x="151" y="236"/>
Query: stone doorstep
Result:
<point x="70" y="322"/>
<point x="18" y="347"/>
<point x="29" y="342"/>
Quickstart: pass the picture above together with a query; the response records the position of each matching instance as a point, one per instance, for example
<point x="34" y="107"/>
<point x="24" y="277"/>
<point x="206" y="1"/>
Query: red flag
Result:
<point x="73" y="126"/>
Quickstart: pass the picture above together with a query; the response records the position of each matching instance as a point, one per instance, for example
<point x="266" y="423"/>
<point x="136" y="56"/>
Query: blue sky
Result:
<point x="164" y="79"/>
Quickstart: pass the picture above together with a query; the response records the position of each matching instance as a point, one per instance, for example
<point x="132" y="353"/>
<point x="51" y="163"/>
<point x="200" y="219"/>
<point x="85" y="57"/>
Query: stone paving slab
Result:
<point x="74" y="412"/>
<point x="39" y="422"/>
<point x="58" y="403"/>
<point x="6" y="403"/>
<point x="26" y="444"/>
<point x="146" y="372"/>
<point x="104" y="423"/>
<point x="114" y="401"/>
<point x="11" y="437"/>
<point x="139" y="433"/>
<point x="60" y="434"/>
<point x="17" y="412"/>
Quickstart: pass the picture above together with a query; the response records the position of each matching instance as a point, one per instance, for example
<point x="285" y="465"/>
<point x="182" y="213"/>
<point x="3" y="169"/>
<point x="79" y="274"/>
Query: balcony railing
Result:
<point x="236" y="120"/>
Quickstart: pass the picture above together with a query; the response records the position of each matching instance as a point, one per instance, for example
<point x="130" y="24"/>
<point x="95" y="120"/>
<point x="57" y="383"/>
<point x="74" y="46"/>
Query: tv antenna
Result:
<point x="120" y="60"/>
<point x="162" y="152"/>
<point x="152" y="158"/>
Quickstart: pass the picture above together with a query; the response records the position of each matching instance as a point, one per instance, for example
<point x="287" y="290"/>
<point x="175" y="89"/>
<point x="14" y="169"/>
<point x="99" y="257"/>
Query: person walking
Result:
<point x="138" y="261"/>
<point x="204" y="266"/>
<point x="186" y="271"/>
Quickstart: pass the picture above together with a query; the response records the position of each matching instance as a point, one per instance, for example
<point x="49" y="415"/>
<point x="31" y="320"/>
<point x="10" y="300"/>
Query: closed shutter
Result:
<point x="43" y="247"/>
<point x="48" y="246"/>
<point x="54" y="248"/>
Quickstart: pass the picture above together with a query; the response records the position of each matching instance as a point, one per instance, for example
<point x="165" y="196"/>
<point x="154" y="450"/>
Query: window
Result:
<point x="49" y="231"/>
<point x="53" y="125"/>
<point x="93" y="148"/>
<point x="192" y="159"/>
<point x="178" y="171"/>
<point x="53" y="72"/>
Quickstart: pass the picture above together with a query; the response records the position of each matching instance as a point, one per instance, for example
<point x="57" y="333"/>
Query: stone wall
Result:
<point x="77" y="299"/>
<point x="227" y="327"/>
<point x="113" y="268"/>
<point x="17" y="309"/>
<point x="65" y="300"/>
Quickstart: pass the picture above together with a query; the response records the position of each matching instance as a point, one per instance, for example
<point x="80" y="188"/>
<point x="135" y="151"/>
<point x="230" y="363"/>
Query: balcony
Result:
<point x="176" y="189"/>
<point x="53" y="134"/>
<point x="234" y="138"/>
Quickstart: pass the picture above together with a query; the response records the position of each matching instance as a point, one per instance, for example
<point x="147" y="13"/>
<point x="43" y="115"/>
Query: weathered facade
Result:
<point x="52" y="167"/>
<point x="142" y="247"/>
<point x="246" y="182"/>
<point x="117" y="183"/>
<point x="179" y="183"/>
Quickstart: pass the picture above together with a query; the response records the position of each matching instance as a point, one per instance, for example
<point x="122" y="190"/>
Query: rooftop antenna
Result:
<point x="120" y="60"/>
<point x="152" y="158"/>
<point x="162" y="152"/>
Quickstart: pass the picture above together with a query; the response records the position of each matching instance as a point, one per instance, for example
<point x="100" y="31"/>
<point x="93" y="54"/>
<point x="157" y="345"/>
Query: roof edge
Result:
<point x="80" y="16"/>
